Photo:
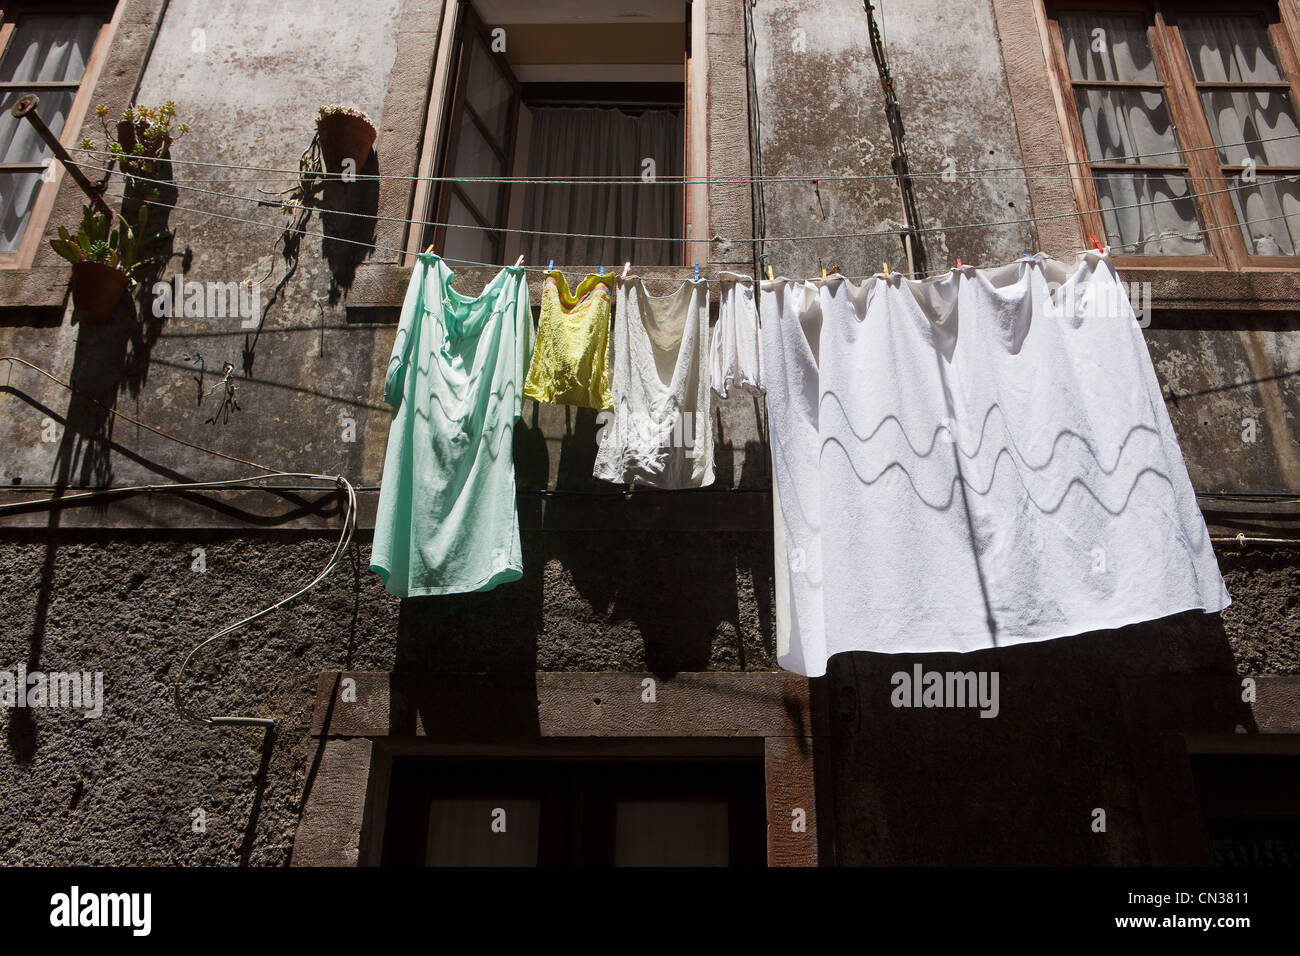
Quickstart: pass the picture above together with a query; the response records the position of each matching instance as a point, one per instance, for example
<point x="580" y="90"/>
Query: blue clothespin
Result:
<point x="697" y="272"/>
<point x="550" y="267"/>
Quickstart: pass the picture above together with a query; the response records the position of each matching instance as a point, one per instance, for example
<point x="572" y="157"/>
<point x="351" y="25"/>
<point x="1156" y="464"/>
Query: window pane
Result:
<point x="1269" y="211"/>
<point x="466" y="245"/>
<point x="49" y="48"/>
<point x="1256" y="117"/>
<point x="1159" y="215"/>
<point x="474" y="157"/>
<point x="18" y="140"/>
<point x="671" y="833"/>
<point x="489" y="93"/>
<point x="1126" y="123"/>
<point x="483" y="832"/>
<point x="17" y="195"/>
<point x="1102" y="47"/>
<point x="1229" y="50"/>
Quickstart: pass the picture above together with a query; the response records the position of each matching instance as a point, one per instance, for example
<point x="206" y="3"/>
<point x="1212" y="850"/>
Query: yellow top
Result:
<point x="571" y="359"/>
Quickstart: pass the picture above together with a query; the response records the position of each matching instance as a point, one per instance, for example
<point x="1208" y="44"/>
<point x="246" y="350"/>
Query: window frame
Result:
<point x="38" y="219"/>
<point x="577" y="797"/>
<point x="1226" y="248"/>
<point x="440" y="127"/>
<point x="457" y="110"/>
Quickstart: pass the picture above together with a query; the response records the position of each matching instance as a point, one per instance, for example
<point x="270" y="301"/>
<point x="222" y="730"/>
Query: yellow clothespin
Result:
<point x="771" y="276"/>
<point x="886" y="265"/>
<point x="429" y="250"/>
<point x="823" y="272"/>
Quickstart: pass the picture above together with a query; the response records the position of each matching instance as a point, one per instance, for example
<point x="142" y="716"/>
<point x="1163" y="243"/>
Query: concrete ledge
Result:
<point x="45" y="287"/>
<point x="562" y="704"/>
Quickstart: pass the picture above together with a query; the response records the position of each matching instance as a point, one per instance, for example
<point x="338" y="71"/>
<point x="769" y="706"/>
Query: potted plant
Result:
<point x="141" y="139"/>
<point x="344" y="133"/>
<point x="105" y="257"/>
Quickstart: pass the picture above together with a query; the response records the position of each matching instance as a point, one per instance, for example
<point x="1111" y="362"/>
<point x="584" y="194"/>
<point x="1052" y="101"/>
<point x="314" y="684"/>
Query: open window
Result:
<point x="52" y="50"/>
<point x="1185" y="116"/>
<point x="553" y="89"/>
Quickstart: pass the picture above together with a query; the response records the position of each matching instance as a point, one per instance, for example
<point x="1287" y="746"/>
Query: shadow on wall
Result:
<point x="598" y="592"/>
<point x="1084" y="724"/>
<point x="347" y="214"/>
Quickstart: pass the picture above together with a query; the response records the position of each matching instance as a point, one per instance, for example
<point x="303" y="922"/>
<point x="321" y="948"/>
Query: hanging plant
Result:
<point x="105" y="257"/>
<point x="344" y="134"/>
<point x="141" y="140"/>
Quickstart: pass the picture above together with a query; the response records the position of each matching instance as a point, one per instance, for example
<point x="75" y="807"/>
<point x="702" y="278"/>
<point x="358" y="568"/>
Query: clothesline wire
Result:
<point x="125" y="417"/>
<point x="541" y="271"/>
<point x="766" y="239"/>
<point x="291" y="175"/>
<point x="1110" y="248"/>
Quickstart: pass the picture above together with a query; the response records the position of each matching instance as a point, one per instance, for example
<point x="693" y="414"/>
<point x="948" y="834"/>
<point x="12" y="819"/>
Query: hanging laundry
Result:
<point x="975" y="461"/>
<point x="660" y="433"/>
<point x="734" y="357"/>
<point x="447" y="521"/>
<point x="790" y="325"/>
<point x="571" y="360"/>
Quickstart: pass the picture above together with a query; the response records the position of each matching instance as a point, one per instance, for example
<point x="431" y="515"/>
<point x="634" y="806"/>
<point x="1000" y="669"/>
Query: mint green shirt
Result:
<point x="447" y="520"/>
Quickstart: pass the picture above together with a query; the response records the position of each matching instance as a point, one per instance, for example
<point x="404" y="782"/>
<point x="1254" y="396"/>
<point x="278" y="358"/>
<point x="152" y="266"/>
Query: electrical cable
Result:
<point x="345" y="536"/>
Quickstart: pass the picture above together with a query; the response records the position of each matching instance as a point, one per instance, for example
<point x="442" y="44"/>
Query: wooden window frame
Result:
<point x="1226" y="247"/>
<point x="70" y="135"/>
<point x="457" y="111"/>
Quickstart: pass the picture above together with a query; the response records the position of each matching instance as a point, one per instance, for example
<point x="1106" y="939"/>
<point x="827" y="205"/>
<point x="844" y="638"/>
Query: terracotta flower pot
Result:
<point x="130" y="133"/>
<point x="343" y="136"/>
<point x="96" y="290"/>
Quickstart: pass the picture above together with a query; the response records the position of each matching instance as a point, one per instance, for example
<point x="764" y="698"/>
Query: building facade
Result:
<point x="621" y="702"/>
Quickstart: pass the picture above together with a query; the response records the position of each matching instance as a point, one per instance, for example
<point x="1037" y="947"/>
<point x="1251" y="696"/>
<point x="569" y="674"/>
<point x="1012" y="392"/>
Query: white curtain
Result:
<point x="1161" y="216"/>
<point x="671" y="833"/>
<point x="1239" y="50"/>
<point x="588" y="142"/>
<point x="483" y="832"/>
<point x="42" y="49"/>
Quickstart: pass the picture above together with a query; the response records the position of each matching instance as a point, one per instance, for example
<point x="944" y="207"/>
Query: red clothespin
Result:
<point x="1093" y="237"/>
<point x="959" y="262"/>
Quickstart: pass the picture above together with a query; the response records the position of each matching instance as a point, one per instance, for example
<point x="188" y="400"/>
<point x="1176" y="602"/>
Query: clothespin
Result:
<point x="771" y="276"/>
<point x="602" y="271"/>
<point x="627" y="267"/>
<point x="550" y="267"/>
<point x="697" y="272"/>
<point x="519" y="262"/>
<point x="1093" y="237"/>
<point x="823" y="272"/>
<point x="886" y="265"/>
<point x="959" y="262"/>
<point x="429" y="250"/>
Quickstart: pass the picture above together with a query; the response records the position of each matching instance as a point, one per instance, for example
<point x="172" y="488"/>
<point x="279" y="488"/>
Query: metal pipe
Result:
<point x="26" y="107"/>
